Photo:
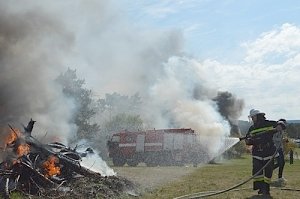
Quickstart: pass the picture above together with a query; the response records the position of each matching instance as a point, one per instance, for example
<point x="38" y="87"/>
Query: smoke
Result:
<point x="32" y="45"/>
<point x="183" y="97"/>
<point x="39" y="39"/>
<point x="231" y="109"/>
<point x="93" y="161"/>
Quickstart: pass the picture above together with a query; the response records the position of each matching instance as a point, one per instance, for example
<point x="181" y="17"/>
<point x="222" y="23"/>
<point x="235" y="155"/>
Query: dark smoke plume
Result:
<point x="31" y="46"/>
<point x="231" y="109"/>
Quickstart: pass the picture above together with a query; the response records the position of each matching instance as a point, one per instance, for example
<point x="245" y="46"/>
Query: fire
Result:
<point x="22" y="149"/>
<point x="50" y="167"/>
<point x="12" y="136"/>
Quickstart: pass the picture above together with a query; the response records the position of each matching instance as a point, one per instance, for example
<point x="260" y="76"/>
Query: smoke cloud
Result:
<point x="183" y="97"/>
<point x="39" y="39"/>
<point x="32" y="45"/>
<point x="231" y="109"/>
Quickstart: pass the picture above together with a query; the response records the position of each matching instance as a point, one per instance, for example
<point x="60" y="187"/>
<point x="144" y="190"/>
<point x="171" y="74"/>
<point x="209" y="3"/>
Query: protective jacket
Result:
<point x="260" y="135"/>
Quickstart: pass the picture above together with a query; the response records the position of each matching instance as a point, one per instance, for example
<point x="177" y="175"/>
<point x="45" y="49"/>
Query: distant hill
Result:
<point x="293" y="121"/>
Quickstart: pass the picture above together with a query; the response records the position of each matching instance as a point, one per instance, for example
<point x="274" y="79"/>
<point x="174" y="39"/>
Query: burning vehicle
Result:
<point x="164" y="147"/>
<point x="34" y="168"/>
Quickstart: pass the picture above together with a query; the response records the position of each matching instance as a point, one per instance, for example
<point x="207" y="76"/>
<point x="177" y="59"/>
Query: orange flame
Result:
<point x="50" y="167"/>
<point x="22" y="149"/>
<point x="12" y="136"/>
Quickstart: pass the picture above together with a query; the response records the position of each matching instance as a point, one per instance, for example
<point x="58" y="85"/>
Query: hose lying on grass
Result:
<point x="213" y="193"/>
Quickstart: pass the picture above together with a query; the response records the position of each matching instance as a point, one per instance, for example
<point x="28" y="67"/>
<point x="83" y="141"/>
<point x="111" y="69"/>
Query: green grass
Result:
<point x="215" y="177"/>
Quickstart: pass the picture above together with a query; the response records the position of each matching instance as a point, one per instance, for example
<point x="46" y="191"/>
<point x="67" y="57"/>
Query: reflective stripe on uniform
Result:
<point x="267" y="180"/>
<point x="262" y="178"/>
<point x="261" y="130"/>
<point x="258" y="178"/>
<point x="263" y="158"/>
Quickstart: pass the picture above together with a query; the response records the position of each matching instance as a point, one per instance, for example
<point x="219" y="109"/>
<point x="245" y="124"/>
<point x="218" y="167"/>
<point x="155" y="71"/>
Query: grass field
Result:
<point x="221" y="176"/>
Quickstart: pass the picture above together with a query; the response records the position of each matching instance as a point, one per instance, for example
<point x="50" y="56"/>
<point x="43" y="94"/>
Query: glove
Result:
<point x="248" y="140"/>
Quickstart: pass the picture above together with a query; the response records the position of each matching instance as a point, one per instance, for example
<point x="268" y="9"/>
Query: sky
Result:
<point x="250" y="48"/>
<point x="178" y="55"/>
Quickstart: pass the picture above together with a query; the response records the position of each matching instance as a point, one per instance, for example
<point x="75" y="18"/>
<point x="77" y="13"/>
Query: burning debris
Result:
<point x="37" y="169"/>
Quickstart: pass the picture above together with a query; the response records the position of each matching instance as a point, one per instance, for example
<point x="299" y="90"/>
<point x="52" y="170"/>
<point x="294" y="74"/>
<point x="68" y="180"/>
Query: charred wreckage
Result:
<point x="34" y="168"/>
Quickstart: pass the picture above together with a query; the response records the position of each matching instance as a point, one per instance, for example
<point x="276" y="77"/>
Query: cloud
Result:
<point x="283" y="42"/>
<point x="264" y="82"/>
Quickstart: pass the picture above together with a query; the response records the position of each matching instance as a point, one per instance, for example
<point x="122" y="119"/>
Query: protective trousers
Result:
<point x="263" y="179"/>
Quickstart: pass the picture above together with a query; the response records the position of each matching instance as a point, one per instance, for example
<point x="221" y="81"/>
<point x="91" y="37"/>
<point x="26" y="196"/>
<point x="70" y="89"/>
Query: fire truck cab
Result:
<point x="155" y="147"/>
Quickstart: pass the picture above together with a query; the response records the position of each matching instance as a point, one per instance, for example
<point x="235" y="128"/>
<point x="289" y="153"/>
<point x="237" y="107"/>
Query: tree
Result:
<point x="73" y="87"/>
<point x="293" y="130"/>
<point x="114" y="104"/>
<point x="117" y="112"/>
<point x="124" y="122"/>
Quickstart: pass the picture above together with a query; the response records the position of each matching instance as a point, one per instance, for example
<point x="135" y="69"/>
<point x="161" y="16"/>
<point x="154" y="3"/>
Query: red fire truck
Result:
<point x="156" y="147"/>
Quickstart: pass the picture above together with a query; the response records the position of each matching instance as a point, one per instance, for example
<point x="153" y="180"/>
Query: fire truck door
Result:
<point x="140" y="143"/>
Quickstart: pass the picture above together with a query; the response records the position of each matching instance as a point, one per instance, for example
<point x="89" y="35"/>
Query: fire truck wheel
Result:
<point x="119" y="161"/>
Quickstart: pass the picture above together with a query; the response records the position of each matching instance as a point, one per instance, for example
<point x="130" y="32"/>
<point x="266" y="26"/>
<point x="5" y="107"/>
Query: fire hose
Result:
<point x="213" y="193"/>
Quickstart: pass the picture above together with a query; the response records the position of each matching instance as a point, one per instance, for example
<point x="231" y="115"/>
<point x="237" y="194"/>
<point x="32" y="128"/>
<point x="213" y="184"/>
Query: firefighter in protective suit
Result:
<point x="260" y="136"/>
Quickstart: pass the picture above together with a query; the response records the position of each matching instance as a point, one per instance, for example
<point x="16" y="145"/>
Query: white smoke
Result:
<point x="174" y="102"/>
<point x="113" y="55"/>
<point x="93" y="161"/>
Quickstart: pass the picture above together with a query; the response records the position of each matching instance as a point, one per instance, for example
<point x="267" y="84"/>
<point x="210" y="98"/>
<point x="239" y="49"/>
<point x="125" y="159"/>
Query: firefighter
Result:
<point x="260" y="136"/>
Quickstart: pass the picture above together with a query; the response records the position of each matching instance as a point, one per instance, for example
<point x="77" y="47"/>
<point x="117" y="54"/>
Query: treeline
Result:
<point x="293" y="130"/>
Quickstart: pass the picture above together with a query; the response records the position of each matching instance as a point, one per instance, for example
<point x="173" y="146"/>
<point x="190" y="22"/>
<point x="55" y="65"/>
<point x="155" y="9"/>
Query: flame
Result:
<point x="50" y="167"/>
<point x="12" y="136"/>
<point x="22" y="149"/>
